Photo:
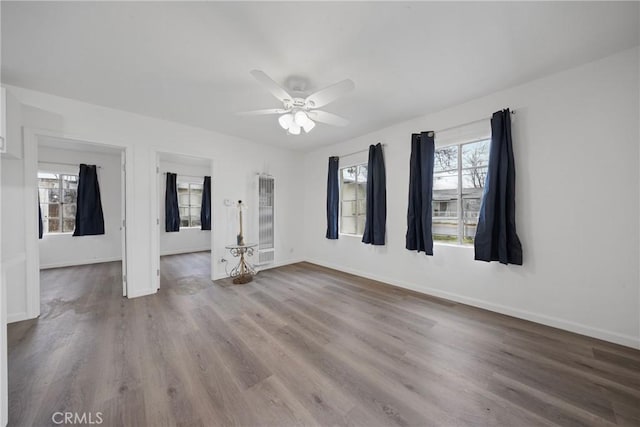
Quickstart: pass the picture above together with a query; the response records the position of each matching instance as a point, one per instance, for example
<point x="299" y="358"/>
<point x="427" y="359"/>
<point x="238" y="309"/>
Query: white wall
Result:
<point x="236" y="162"/>
<point x="576" y="143"/>
<point x="187" y="239"/>
<point x="13" y="242"/>
<point x="60" y="250"/>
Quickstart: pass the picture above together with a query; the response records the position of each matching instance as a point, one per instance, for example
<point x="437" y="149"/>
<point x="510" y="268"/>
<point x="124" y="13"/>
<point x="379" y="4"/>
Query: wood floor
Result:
<point x="301" y="345"/>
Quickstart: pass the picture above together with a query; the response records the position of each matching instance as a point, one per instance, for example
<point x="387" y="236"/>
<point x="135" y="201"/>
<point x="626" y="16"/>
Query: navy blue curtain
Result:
<point x="496" y="238"/>
<point x="171" y="211"/>
<point x="40" y="225"/>
<point x="333" y="193"/>
<point x="205" y="209"/>
<point x="376" y="219"/>
<point x="419" y="213"/>
<point x="89" y="216"/>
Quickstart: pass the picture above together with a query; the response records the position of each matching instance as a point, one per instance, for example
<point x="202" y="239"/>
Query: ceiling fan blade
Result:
<point x="329" y="94"/>
<point x="273" y="87"/>
<point x="328" y="118"/>
<point x="263" y="112"/>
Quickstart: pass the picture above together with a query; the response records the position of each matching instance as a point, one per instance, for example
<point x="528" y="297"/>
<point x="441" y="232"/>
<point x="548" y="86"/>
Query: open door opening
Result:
<point x="74" y="263"/>
<point x="184" y="221"/>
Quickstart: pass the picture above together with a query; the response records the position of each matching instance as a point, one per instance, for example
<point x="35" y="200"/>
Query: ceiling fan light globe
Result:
<point x="309" y="125"/>
<point x="286" y="120"/>
<point x="294" y="129"/>
<point x="300" y="118"/>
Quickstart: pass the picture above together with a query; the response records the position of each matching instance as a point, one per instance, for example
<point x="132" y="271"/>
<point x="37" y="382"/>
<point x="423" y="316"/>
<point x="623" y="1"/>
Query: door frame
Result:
<point x="155" y="219"/>
<point x="30" y="146"/>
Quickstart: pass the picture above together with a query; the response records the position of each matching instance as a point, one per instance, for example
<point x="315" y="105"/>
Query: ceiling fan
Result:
<point x="300" y="113"/>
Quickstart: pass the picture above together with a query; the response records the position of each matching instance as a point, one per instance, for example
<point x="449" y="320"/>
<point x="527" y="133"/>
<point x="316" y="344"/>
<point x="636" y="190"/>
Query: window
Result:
<point x="189" y="203"/>
<point x="458" y="182"/>
<point x="353" y="180"/>
<point x="58" y="194"/>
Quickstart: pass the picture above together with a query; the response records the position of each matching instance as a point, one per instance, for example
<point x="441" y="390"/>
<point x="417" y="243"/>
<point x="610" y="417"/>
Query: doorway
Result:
<point x="57" y="180"/>
<point x="184" y="254"/>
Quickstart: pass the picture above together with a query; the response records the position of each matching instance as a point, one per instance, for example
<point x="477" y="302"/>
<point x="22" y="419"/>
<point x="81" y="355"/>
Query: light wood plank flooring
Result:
<point x="301" y="345"/>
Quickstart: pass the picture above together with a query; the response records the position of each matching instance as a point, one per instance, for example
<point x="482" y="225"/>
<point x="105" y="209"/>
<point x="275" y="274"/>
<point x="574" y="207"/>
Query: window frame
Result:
<point x="460" y="169"/>
<point x="61" y="203"/>
<point x="189" y="206"/>
<point x="341" y="199"/>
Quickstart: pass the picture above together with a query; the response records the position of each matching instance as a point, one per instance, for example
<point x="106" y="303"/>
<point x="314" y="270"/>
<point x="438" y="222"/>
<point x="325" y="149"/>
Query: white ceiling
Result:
<point x="190" y="62"/>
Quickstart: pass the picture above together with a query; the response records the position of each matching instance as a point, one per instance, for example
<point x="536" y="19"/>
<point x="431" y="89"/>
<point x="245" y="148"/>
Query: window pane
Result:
<point x="348" y="225"/>
<point x="362" y="207"/>
<point x="349" y="208"/>
<point x="349" y="191"/>
<point x="349" y="174"/>
<point x="184" y="221"/>
<point x="69" y="195"/>
<point x="69" y="225"/>
<point x="446" y="181"/>
<point x="362" y="173"/>
<point x="54" y="195"/>
<point x="362" y="191"/>
<point x="54" y="225"/>
<point x="196" y="199"/>
<point x="360" y="224"/>
<point x="69" y="211"/>
<point x="475" y="154"/>
<point x="195" y="216"/>
<point x="183" y="194"/>
<point x="470" y="212"/>
<point x="445" y="208"/>
<point x="184" y="213"/>
<point x="473" y="180"/>
<point x="445" y="230"/>
<point x="446" y="158"/>
<point x="51" y="192"/>
<point x="69" y="181"/>
<point x="53" y="211"/>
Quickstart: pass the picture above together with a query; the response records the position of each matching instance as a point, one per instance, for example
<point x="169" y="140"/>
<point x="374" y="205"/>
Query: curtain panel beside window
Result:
<point x="40" y="224"/>
<point x="376" y="217"/>
<point x="496" y="238"/>
<point x="171" y="211"/>
<point x="419" y="212"/>
<point x="205" y="210"/>
<point x="89" y="216"/>
<point x="333" y="195"/>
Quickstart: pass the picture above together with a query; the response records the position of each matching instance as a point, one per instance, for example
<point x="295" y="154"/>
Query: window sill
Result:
<point x="453" y="245"/>
<point x="358" y="236"/>
<point x="67" y="233"/>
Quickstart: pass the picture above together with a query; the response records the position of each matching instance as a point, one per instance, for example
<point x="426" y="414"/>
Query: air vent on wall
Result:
<point x="266" y="219"/>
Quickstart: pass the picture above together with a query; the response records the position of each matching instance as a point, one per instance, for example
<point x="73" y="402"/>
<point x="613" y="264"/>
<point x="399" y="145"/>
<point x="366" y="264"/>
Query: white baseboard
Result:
<point x="184" y="251"/>
<point x="614" y="337"/>
<point x="82" y="262"/>
<point x="17" y="317"/>
<point x="278" y="264"/>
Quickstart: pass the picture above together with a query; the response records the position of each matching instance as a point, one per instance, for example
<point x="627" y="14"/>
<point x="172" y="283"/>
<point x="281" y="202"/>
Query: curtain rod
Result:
<point x="435" y="131"/>
<point x="185" y="176"/>
<point x="466" y="124"/>
<point x="64" y="164"/>
<point x="357" y="152"/>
